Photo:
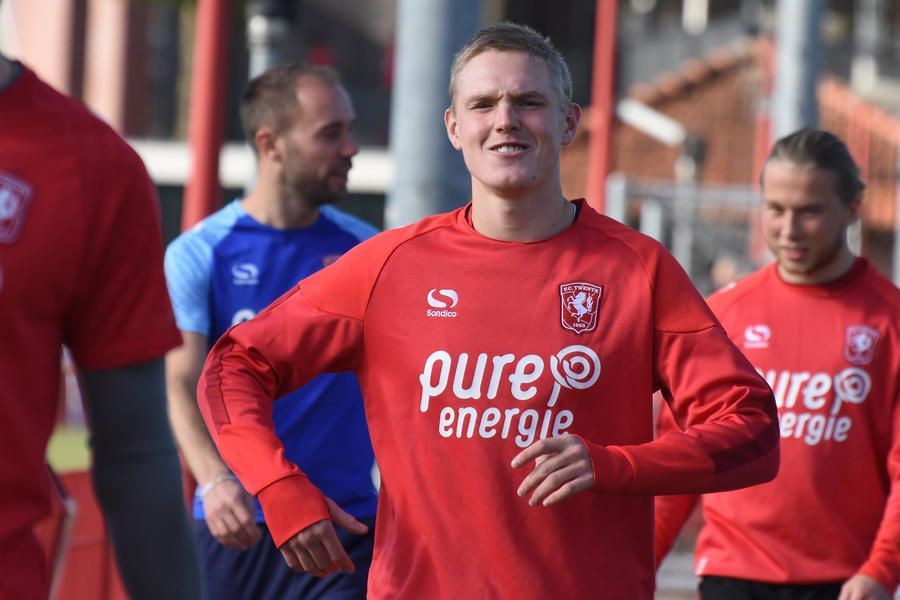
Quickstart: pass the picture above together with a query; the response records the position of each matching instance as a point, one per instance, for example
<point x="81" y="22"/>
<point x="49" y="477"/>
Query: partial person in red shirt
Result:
<point x="81" y="266"/>
<point x="508" y="353"/>
<point x="822" y="326"/>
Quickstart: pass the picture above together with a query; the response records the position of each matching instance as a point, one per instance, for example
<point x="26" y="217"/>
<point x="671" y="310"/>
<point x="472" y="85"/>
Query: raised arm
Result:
<point x="259" y="360"/>
<point x="730" y="436"/>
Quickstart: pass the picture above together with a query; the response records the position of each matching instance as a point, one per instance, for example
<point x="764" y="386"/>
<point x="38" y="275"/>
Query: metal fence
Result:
<point x="711" y="230"/>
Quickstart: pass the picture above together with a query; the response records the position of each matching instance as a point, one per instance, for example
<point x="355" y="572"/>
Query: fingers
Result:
<point x="562" y="469"/>
<point x="326" y="548"/>
<point x="229" y="532"/>
<point x="299" y="559"/>
<point x="247" y="532"/>
<point x="337" y="555"/>
<point x="226" y="529"/>
<point x="317" y="550"/>
<point x="863" y="587"/>
<point x="544" y="481"/>
<point x="536" y="450"/>
<point x="231" y="517"/>
<point x="316" y="561"/>
<point x="552" y="496"/>
<point x="345" y="519"/>
<point x="245" y="514"/>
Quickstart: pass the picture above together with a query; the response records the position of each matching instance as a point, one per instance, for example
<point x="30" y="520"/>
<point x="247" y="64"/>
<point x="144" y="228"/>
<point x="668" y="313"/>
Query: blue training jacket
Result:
<point x="228" y="268"/>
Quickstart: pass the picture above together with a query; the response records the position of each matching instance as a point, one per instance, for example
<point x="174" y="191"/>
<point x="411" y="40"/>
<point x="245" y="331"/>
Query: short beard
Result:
<point x="319" y="195"/>
<point x="316" y="192"/>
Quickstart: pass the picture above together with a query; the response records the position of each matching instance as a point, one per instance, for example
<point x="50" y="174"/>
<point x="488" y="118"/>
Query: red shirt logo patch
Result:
<point x="15" y="195"/>
<point x="580" y="305"/>
<point x="859" y="346"/>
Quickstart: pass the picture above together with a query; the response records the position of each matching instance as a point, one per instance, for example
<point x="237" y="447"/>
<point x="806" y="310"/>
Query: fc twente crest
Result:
<point x="859" y="346"/>
<point x="15" y="195"/>
<point x="579" y="306"/>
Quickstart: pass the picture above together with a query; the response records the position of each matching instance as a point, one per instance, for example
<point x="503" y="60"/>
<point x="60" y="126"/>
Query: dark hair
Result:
<point x="513" y="37"/>
<point x="271" y="98"/>
<point x="821" y="150"/>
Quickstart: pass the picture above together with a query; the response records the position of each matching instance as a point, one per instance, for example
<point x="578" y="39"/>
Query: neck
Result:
<point x="276" y="206"/>
<point x="521" y="219"/>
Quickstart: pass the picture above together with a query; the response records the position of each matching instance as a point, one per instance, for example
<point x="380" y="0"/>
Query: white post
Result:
<point x="616" y="196"/>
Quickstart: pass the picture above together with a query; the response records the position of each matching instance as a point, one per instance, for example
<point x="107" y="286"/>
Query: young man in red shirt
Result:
<point x="508" y="353"/>
<point x="81" y="265"/>
<point x="821" y="325"/>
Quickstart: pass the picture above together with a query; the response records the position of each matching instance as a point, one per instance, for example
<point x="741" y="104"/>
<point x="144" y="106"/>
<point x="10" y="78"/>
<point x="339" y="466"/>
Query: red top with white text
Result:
<point x="469" y="350"/>
<point x="831" y="354"/>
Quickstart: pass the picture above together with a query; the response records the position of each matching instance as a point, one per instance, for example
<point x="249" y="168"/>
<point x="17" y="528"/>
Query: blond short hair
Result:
<point x="512" y="37"/>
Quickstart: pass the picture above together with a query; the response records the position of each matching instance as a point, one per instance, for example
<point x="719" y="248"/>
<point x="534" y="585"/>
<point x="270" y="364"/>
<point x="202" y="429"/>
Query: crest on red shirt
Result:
<point x="15" y="196"/>
<point x="859" y="346"/>
<point x="580" y="305"/>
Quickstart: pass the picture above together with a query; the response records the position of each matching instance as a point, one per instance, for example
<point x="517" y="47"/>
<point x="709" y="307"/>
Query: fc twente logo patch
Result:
<point x="580" y="306"/>
<point x="15" y="196"/>
<point x="859" y="345"/>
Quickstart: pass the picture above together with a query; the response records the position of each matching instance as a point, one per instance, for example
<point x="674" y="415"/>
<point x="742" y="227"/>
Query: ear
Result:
<point x="451" y="125"/>
<point x="853" y="209"/>
<point x="572" y="119"/>
<point x="268" y="144"/>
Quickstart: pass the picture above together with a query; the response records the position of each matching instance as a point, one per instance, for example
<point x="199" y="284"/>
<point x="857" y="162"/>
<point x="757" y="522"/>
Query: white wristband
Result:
<point x="207" y="488"/>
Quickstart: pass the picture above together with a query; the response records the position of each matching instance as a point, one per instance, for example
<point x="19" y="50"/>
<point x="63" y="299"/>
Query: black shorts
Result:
<point x="261" y="573"/>
<point x="729" y="588"/>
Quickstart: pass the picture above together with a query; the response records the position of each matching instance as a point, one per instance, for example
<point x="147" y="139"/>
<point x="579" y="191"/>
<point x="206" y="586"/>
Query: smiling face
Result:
<point x="805" y="222"/>
<point x="507" y="120"/>
<point x="316" y="150"/>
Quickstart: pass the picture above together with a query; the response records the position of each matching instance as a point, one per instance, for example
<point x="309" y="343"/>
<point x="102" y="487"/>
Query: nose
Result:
<point x="349" y="147"/>
<point x="507" y="117"/>
<point x="790" y="225"/>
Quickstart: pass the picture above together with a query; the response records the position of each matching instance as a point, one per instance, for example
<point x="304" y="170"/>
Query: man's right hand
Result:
<point x="230" y="515"/>
<point x="317" y="549"/>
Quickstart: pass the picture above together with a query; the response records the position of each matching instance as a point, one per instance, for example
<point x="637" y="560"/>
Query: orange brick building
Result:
<point x="723" y="99"/>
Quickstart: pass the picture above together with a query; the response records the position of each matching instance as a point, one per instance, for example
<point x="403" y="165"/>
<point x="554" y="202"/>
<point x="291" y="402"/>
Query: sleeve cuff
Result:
<point x="882" y="574"/>
<point x="290" y="505"/>
<point x="613" y="472"/>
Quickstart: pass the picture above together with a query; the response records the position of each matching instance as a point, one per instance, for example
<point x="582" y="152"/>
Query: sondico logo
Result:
<point x="245" y="274"/>
<point x="444" y="300"/>
<point x="757" y="336"/>
<point x="574" y="367"/>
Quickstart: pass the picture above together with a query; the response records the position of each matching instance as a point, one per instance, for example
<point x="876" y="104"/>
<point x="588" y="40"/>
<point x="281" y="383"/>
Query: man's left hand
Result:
<point x="562" y="469"/>
<point x="862" y="587"/>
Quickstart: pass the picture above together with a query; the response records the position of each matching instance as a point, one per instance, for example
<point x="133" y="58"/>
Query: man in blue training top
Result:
<point x="298" y="120"/>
